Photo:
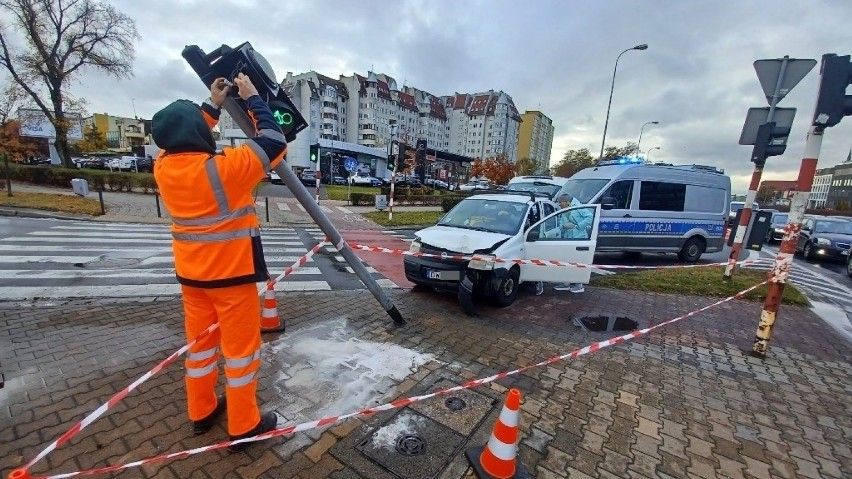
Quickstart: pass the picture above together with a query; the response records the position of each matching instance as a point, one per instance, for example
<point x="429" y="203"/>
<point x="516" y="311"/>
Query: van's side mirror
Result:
<point x="607" y="203"/>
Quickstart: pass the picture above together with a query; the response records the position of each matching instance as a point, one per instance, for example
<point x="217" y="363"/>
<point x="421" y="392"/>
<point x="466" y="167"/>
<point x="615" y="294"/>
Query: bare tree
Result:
<point x="11" y="98"/>
<point x="62" y="38"/>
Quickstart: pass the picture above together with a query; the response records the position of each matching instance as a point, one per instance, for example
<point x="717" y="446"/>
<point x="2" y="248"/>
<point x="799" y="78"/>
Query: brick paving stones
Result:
<point x="685" y="401"/>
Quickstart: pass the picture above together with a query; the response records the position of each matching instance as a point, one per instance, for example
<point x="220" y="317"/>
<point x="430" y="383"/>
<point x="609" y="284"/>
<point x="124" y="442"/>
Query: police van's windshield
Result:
<point x="535" y="186"/>
<point x="584" y="190"/>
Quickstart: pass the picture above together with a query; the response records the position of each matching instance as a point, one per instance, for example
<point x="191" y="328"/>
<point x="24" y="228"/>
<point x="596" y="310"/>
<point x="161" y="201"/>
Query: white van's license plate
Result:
<point x="442" y="275"/>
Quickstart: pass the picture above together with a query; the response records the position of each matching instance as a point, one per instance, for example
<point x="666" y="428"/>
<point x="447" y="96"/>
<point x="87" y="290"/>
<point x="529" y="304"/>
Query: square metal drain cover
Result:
<point x="412" y="446"/>
<point x="461" y="411"/>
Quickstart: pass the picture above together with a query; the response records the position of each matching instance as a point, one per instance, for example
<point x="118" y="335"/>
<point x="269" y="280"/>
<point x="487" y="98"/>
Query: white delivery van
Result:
<point x="656" y="208"/>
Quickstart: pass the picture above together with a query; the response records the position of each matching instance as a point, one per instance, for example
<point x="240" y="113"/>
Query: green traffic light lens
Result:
<point x="283" y="118"/>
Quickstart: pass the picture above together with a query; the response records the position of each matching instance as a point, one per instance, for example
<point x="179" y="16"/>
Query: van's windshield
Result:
<point x="584" y="190"/>
<point x="535" y="187"/>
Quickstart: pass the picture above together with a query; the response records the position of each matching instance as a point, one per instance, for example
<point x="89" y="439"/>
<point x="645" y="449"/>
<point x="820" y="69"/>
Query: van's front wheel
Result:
<point x="507" y="288"/>
<point x="692" y="249"/>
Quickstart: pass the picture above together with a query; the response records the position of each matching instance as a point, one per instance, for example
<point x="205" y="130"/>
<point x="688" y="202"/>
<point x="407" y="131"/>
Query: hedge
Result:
<point x="61" y="177"/>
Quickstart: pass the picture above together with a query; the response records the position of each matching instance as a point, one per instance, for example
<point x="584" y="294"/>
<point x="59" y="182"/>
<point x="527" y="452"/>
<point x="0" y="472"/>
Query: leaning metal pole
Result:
<point x="313" y="209"/>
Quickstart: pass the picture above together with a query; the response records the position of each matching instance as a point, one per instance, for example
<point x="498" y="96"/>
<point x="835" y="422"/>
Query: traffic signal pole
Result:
<point x="784" y="260"/>
<point x="318" y="173"/>
<point x="756" y="175"/>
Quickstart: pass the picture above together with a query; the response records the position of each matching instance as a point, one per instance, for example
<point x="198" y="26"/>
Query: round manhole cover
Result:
<point x="410" y="445"/>
<point x="455" y="403"/>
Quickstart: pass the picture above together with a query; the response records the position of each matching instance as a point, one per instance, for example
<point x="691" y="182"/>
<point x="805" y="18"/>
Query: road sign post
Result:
<point x="831" y="106"/>
<point x="777" y="77"/>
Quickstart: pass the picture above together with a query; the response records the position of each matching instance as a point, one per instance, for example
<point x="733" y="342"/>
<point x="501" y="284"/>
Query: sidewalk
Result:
<point x="684" y="401"/>
<point x="142" y="208"/>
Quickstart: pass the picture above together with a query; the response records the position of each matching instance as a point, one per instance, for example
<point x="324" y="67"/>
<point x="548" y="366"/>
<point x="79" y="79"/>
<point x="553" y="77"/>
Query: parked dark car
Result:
<point x="822" y="237"/>
<point x="776" y="226"/>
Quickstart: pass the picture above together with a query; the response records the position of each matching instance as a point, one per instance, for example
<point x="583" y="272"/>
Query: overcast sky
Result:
<point x="696" y="78"/>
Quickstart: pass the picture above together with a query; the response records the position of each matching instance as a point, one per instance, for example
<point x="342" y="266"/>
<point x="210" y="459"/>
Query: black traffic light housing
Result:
<point x="771" y="141"/>
<point x="400" y="157"/>
<point x="420" y="160"/>
<point x="314" y="154"/>
<point x="228" y="62"/>
<point x="832" y="102"/>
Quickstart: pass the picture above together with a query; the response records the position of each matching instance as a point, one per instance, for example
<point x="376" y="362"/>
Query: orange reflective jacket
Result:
<point x="215" y="230"/>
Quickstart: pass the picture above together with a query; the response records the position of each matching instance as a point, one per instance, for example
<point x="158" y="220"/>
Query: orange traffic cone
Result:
<point x="498" y="459"/>
<point x="270" y="322"/>
<point x="19" y="474"/>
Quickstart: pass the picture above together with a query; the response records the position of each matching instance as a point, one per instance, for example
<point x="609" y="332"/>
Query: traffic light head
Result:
<point x="771" y="141"/>
<point x="314" y="155"/>
<point x="228" y="62"/>
<point x="832" y="101"/>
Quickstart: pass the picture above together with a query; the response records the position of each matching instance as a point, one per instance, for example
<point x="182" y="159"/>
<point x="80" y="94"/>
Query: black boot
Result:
<point x="267" y="423"/>
<point x="204" y="425"/>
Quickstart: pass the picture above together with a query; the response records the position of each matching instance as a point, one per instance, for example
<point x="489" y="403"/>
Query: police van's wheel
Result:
<point x="692" y="249"/>
<point x="508" y="289"/>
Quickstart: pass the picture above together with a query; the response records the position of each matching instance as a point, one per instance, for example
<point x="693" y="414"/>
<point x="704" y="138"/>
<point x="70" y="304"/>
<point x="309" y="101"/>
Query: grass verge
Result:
<point x="341" y="192"/>
<point x="706" y="281"/>
<point x="405" y="218"/>
<point x="52" y="202"/>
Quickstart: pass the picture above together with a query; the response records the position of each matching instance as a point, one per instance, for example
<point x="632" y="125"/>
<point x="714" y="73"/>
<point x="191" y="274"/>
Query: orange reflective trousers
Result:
<point x="237" y="310"/>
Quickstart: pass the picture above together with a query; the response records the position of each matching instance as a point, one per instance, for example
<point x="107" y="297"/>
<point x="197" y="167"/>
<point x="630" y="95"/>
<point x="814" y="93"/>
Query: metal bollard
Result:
<point x="267" y="208"/>
<point x="101" y="199"/>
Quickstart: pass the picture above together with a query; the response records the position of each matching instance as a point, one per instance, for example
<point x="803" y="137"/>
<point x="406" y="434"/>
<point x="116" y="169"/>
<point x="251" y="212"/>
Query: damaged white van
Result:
<point x="507" y="225"/>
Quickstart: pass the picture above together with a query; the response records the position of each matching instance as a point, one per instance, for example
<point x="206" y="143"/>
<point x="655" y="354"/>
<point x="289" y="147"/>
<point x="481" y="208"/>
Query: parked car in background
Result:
<point x="825" y="238"/>
<point x="738" y="205"/>
<point x="777" y="224"/>
<point x="308" y="177"/>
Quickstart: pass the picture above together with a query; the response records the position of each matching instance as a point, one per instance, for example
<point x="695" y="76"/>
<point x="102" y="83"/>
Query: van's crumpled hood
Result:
<point x="459" y="240"/>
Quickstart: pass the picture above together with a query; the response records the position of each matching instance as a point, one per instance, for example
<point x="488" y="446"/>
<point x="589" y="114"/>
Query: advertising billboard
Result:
<point x="35" y="123"/>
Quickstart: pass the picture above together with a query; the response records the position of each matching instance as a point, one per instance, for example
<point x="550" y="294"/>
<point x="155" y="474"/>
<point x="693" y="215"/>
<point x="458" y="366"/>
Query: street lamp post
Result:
<point x="640" y="132"/>
<point x="649" y="152"/>
<point x="611" y="88"/>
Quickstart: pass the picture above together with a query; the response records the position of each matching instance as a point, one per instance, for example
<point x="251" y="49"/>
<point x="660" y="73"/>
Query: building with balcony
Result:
<point x="832" y="187"/>
<point x="121" y="134"/>
<point x="535" y="140"/>
<point x="482" y="125"/>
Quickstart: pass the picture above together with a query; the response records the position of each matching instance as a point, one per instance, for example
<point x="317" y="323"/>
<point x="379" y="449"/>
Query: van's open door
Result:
<point x="569" y="235"/>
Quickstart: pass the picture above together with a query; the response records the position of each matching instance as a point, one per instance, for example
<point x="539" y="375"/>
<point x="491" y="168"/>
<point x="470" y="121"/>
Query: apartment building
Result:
<point x="482" y="125"/>
<point x="832" y="187"/>
<point x="535" y="139"/>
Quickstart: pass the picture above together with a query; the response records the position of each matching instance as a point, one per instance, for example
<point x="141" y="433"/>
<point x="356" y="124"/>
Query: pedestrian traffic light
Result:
<point x="228" y="62"/>
<point x="400" y="158"/>
<point x="771" y="141"/>
<point x="420" y="159"/>
<point x="314" y="153"/>
<point x="832" y="102"/>
<point x="391" y="162"/>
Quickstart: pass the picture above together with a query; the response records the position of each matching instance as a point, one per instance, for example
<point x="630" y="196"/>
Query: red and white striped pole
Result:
<point x="784" y="260"/>
<point x="739" y="237"/>
<point x="318" y="174"/>
<point x="390" y="201"/>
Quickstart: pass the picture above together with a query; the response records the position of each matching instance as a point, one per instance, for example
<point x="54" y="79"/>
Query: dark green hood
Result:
<point x="180" y="128"/>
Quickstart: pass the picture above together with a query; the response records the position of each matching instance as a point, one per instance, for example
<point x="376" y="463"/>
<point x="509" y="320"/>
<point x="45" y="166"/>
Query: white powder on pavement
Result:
<point x="324" y="370"/>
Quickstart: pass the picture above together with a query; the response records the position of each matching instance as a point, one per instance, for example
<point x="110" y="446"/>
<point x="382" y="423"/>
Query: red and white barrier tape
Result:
<point x="399" y="402"/>
<point x="298" y="264"/>
<point x="537" y="262"/>
<point x="159" y="367"/>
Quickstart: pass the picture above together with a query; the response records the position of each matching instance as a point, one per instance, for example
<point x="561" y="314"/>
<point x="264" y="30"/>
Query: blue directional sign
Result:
<point x="351" y="164"/>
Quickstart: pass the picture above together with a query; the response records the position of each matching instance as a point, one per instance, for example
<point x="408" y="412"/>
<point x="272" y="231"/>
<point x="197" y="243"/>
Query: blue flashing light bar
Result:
<point x="624" y="160"/>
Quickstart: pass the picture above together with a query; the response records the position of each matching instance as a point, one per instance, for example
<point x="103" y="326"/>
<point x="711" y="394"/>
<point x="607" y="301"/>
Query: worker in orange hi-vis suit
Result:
<point x="217" y="250"/>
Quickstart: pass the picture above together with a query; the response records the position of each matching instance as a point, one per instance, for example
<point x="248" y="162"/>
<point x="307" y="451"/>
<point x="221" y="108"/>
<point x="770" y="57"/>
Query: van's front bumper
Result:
<point x="435" y="273"/>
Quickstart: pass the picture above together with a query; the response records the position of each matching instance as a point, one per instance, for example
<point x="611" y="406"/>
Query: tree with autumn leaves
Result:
<point x="12" y="145"/>
<point x="498" y="169"/>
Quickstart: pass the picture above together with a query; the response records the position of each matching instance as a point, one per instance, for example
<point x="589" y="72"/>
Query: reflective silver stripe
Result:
<point x="201" y="372"/>
<point x="242" y="362"/>
<point x="273" y="135"/>
<point x="202" y="355"/>
<point x="242" y="380"/>
<point x="216" y="184"/>
<point x="211" y="220"/>
<point x="214" y="237"/>
<point x="261" y="155"/>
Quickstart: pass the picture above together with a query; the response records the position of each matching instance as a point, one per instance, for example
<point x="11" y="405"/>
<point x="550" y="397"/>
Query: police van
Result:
<point x="656" y="208"/>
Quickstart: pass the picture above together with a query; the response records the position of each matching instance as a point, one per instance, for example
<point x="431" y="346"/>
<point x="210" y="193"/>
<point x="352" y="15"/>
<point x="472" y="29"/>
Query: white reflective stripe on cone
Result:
<point x="501" y="450"/>
<point x="509" y="417"/>
<point x="269" y="312"/>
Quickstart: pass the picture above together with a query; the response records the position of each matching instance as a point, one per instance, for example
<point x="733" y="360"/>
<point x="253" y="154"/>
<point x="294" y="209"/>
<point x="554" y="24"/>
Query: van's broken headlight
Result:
<point x="415" y="246"/>
<point x="482" y="261"/>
